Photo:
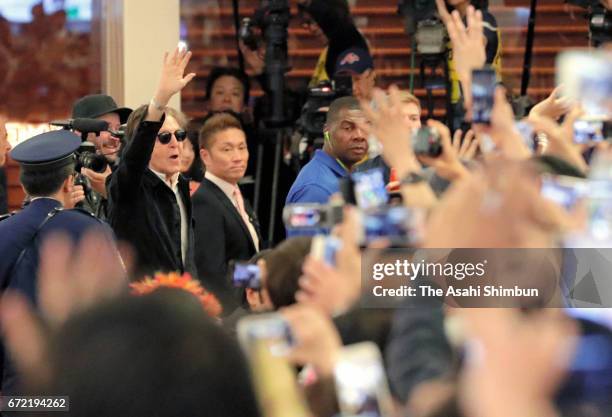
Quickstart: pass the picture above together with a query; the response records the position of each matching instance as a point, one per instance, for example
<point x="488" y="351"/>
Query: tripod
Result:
<point x="433" y="82"/>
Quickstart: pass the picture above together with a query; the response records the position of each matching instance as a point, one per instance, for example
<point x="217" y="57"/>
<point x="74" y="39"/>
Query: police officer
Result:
<point x="47" y="174"/>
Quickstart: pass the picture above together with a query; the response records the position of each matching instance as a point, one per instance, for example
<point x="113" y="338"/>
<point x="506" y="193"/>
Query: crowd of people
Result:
<point x="149" y="287"/>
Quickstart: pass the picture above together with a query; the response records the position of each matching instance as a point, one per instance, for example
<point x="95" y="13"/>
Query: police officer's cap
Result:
<point x="47" y="151"/>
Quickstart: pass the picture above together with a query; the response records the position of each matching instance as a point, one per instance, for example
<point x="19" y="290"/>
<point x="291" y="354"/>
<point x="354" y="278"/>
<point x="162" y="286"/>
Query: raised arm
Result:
<point x="137" y="155"/>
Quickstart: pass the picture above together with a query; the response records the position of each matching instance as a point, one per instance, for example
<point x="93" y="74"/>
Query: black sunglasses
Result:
<point x="165" y="137"/>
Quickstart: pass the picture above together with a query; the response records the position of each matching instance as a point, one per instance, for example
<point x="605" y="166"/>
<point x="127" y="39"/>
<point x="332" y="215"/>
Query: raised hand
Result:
<point x="502" y="130"/>
<point x="390" y="129"/>
<point x="173" y="78"/>
<point x="447" y="165"/>
<point x="334" y="290"/>
<point x="515" y="362"/>
<point x="73" y="277"/>
<point x="468" y="42"/>
<point x="466" y="149"/>
<point x="317" y="340"/>
<point x="552" y="106"/>
<point x="561" y="137"/>
<point x="254" y="59"/>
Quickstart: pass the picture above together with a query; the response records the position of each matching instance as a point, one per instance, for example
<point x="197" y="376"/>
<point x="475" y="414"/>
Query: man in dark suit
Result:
<point x="47" y="175"/>
<point x="225" y="226"/>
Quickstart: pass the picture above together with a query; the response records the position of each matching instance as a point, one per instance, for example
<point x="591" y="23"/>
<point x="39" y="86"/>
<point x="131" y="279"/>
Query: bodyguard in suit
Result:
<point x="225" y="227"/>
<point x="47" y="175"/>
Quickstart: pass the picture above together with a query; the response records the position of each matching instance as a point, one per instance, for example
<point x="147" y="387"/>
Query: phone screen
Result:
<point x="400" y="225"/>
<point x="361" y="383"/>
<point x="246" y="275"/>
<point x="370" y="189"/>
<point x="565" y="191"/>
<point x="483" y="90"/>
<point x="586" y="131"/>
<point x="272" y="329"/>
<point x="302" y="216"/>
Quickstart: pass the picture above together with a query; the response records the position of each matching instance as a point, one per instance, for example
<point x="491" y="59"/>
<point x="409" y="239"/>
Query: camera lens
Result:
<point x="93" y="161"/>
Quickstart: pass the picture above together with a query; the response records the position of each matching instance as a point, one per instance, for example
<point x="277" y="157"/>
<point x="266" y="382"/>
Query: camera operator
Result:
<point x="358" y="64"/>
<point x="149" y="202"/>
<point x="331" y="23"/>
<point x="334" y="20"/>
<point x="101" y="107"/>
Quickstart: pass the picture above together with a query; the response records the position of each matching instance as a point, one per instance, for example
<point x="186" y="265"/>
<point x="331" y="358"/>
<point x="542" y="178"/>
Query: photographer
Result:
<point x="101" y="107"/>
<point x="149" y="203"/>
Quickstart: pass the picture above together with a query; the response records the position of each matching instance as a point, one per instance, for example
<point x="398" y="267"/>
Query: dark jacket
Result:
<point x="143" y="210"/>
<point x="220" y="236"/>
<point x="20" y="238"/>
<point x="340" y="31"/>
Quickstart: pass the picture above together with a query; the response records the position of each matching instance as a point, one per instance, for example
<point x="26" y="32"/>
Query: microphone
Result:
<point x="90" y="125"/>
<point x="83" y="125"/>
<point x="66" y="124"/>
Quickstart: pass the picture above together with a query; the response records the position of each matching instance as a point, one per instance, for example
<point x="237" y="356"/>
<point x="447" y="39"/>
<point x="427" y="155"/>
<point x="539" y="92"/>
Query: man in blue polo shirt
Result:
<point x="345" y="145"/>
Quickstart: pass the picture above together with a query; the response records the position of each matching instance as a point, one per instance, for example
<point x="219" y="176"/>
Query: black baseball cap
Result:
<point x="354" y="61"/>
<point x="96" y="105"/>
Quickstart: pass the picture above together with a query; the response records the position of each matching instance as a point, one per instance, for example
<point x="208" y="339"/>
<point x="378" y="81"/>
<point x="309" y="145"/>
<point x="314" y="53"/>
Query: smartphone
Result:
<point x="266" y="339"/>
<point x="246" y="275"/>
<point x="483" y="92"/>
<point x="399" y="224"/>
<point x="586" y="131"/>
<point x="325" y="248"/>
<point x="369" y="189"/>
<point x="563" y="190"/>
<point x="527" y="133"/>
<point x="361" y="383"/>
<point x="271" y="329"/>
<point x="312" y="216"/>
<point x="586" y="76"/>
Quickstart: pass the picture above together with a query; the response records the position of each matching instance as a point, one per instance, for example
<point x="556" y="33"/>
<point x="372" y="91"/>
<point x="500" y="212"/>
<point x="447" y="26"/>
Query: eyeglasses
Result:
<point x="165" y="137"/>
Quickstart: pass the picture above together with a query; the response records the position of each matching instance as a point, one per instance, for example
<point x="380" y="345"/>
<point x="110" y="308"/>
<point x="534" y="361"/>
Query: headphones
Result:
<point x="326" y="136"/>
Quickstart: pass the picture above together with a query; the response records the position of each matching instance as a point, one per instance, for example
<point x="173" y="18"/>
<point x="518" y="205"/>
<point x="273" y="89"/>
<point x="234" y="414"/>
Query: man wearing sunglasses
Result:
<point x="149" y="203"/>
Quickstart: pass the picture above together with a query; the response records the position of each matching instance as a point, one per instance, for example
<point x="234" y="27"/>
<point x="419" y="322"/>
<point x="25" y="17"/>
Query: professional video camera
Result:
<point x="272" y="20"/>
<point x="87" y="157"/>
<point x="422" y="22"/>
<point x="314" y="112"/>
<point x="600" y="20"/>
